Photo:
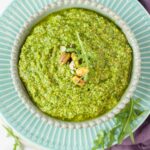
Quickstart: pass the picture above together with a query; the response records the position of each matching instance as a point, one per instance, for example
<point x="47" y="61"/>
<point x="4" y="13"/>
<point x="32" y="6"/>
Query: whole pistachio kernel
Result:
<point x="65" y="57"/>
<point x="78" y="81"/>
<point x="82" y="71"/>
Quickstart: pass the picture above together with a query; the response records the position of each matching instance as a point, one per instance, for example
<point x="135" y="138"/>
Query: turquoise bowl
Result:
<point x="53" y="7"/>
<point x="15" y="106"/>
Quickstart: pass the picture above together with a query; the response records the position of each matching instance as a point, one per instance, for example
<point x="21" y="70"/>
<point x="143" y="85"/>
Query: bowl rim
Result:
<point x="56" y="6"/>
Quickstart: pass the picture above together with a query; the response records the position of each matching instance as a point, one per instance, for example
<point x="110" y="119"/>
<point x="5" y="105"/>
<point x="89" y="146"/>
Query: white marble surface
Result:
<point x="6" y="143"/>
<point x="4" y="4"/>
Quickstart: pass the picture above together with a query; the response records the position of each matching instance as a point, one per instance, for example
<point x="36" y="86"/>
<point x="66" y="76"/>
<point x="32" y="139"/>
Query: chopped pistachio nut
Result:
<point x="72" y="65"/>
<point x="78" y="81"/>
<point x="82" y="71"/>
<point x="65" y="57"/>
<point x="75" y="59"/>
<point x="63" y="48"/>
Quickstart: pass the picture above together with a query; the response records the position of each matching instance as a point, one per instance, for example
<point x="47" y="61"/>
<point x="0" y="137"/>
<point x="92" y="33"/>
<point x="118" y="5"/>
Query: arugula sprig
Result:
<point x="17" y="144"/>
<point x="123" y="126"/>
<point x="84" y="54"/>
<point x="126" y="128"/>
<point x="82" y="49"/>
<point x="100" y="142"/>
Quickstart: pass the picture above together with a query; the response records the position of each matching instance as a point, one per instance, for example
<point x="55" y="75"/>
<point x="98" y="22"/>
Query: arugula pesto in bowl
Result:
<point x="75" y="64"/>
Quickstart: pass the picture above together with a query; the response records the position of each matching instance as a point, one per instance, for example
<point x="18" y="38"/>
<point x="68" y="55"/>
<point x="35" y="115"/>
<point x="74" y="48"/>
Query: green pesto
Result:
<point x="49" y="83"/>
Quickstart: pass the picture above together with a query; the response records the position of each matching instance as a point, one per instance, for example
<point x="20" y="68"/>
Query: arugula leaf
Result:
<point x="111" y="136"/>
<point x="70" y="50"/>
<point x="126" y="123"/>
<point x="84" y="54"/>
<point x="17" y="144"/>
<point x="131" y="136"/>
<point x="100" y="140"/>
<point x="123" y="126"/>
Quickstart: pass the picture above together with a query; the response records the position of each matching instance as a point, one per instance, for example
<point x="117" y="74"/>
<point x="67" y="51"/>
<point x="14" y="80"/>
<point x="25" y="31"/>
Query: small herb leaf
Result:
<point x="17" y="144"/>
<point x="122" y="127"/>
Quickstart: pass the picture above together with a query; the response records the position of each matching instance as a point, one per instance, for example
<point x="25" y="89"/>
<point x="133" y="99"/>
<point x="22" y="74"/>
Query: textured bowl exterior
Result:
<point x="24" y="117"/>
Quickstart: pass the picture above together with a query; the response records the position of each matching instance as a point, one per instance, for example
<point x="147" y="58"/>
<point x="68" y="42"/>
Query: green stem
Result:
<point x="83" y="53"/>
<point x="17" y="143"/>
<point x="127" y="122"/>
<point x="83" y="49"/>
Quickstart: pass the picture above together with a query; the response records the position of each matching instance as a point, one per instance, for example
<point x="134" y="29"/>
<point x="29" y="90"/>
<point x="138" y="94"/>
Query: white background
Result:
<point x="6" y="143"/>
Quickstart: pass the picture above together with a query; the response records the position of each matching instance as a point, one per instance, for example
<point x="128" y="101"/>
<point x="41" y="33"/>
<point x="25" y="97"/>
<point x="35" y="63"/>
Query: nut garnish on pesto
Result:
<point x="75" y="64"/>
